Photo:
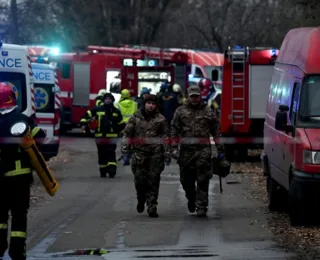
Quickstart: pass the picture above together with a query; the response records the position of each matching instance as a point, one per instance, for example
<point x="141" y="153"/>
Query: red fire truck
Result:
<point x="83" y="73"/>
<point x="247" y="75"/>
<point x="200" y="63"/>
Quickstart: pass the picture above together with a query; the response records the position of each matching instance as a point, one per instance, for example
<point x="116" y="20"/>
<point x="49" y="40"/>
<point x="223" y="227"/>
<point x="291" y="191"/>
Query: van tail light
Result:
<point x="57" y="118"/>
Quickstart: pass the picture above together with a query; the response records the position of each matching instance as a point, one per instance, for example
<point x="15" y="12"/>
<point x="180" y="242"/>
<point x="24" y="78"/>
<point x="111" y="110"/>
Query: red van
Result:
<point x="291" y="157"/>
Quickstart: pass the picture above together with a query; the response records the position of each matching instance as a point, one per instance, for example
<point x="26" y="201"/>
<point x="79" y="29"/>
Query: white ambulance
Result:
<point x="47" y="103"/>
<point x="15" y="69"/>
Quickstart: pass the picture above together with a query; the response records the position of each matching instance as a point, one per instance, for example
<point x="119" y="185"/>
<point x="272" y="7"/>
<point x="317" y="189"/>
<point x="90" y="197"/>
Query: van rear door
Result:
<point x="45" y="107"/>
<point x="14" y="70"/>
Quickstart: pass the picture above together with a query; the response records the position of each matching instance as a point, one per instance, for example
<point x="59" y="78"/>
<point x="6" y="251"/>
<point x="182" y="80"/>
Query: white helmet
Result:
<point x="102" y="92"/>
<point x="176" y="88"/>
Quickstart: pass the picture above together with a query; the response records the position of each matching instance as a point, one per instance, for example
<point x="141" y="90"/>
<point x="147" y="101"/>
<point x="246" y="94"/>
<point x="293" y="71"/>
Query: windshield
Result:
<point x="18" y="83"/>
<point x="309" y="107"/>
<point x="310" y="96"/>
<point x="44" y="97"/>
<point x="209" y="70"/>
<point x="152" y="81"/>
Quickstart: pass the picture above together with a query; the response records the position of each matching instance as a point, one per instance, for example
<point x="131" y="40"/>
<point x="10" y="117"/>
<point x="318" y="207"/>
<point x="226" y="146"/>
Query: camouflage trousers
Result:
<point x="147" y="171"/>
<point x="195" y="175"/>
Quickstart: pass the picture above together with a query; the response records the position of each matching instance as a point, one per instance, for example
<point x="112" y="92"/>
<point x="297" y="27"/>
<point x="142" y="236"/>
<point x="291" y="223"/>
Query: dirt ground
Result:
<point x="304" y="241"/>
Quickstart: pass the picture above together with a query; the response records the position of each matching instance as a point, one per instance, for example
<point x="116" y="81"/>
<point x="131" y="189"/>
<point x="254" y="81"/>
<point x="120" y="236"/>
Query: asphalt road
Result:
<point x="90" y="212"/>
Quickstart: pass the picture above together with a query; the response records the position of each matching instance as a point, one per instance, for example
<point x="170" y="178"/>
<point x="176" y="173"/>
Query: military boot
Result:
<point x="201" y="213"/>
<point x="152" y="211"/>
<point x="153" y="214"/>
<point x="191" y="206"/>
<point x="140" y="206"/>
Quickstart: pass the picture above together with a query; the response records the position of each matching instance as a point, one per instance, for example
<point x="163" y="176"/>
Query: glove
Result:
<point x="126" y="159"/>
<point x="175" y="154"/>
<point x="221" y="156"/>
<point x="83" y="129"/>
<point x="167" y="160"/>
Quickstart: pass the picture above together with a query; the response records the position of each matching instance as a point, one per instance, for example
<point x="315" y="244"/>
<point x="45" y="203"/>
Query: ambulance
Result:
<point x="47" y="103"/>
<point x="15" y="69"/>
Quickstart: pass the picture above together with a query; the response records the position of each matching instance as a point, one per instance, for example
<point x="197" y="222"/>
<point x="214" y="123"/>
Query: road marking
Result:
<point x="121" y="234"/>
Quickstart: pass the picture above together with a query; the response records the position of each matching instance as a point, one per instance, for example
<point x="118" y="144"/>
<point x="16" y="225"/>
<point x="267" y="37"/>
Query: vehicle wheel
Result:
<point x="296" y="208"/>
<point x="277" y="196"/>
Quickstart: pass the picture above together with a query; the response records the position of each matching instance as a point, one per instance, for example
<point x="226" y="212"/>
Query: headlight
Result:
<point x="311" y="157"/>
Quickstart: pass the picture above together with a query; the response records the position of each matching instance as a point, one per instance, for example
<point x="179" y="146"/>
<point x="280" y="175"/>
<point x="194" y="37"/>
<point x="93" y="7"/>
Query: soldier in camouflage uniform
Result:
<point x="193" y="121"/>
<point x="148" y="159"/>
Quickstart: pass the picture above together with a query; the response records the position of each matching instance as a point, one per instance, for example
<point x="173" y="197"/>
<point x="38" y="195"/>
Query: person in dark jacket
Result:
<point x="106" y="134"/>
<point x="169" y="103"/>
<point x="15" y="175"/>
<point x="140" y="99"/>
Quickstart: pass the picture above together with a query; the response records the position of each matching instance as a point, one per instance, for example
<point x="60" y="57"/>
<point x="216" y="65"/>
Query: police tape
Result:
<point x="159" y="140"/>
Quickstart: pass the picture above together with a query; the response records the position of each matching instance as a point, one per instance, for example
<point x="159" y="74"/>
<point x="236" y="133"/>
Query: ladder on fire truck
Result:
<point x="238" y="58"/>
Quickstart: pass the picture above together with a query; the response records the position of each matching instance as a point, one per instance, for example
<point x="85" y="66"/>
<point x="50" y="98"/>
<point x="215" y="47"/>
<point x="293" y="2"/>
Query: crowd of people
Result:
<point x="166" y="123"/>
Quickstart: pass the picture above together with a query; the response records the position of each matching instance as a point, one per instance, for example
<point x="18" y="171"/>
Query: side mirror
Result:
<point x="214" y="75"/>
<point x="19" y="129"/>
<point x="281" y="122"/>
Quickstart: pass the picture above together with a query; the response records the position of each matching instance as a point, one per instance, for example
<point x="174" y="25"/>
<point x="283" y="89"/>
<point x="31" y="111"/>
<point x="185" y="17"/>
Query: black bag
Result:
<point x="221" y="168"/>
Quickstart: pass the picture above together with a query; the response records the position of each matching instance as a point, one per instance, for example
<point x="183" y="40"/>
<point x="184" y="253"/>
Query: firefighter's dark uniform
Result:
<point x="15" y="181"/>
<point x="109" y="118"/>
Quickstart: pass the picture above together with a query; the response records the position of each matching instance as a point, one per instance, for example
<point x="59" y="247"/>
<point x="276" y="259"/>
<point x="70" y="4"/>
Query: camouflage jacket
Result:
<point x="147" y="136"/>
<point x="193" y="126"/>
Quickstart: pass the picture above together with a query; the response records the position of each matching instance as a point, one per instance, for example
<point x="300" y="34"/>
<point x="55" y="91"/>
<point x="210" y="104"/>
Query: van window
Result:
<point x="199" y="73"/>
<point x="310" y="96"/>
<point x="44" y="97"/>
<point x="309" y="105"/>
<point x="18" y="83"/>
<point x="294" y="103"/>
<point x="66" y="67"/>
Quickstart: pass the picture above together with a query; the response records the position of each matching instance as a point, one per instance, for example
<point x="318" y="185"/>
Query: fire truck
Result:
<point x="247" y="75"/>
<point x="201" y="63"/>
<point x="83" y="73"/>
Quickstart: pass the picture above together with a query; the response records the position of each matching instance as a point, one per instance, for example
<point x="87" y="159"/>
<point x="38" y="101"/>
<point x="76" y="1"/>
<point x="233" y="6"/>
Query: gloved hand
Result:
<point x="83" y="129"/>
<point x="126" y="159"/>
<point x="167" y="160"/>
<point x="175" y="154"/>
<point x="221" y="156"/>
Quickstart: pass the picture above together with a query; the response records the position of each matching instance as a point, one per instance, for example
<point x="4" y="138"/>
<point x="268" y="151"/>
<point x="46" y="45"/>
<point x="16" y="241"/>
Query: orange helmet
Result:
<point x="8" y="98"/>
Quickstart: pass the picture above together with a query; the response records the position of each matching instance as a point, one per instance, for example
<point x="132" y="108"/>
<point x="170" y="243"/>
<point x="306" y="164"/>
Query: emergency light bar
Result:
<point x="237" y="51"/>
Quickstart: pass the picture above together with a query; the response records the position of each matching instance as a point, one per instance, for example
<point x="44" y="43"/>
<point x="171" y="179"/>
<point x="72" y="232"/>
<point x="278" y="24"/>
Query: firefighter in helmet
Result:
<point x="127" y="108"/>
<point x="144" y="91"/>
<point x="207" y="91"/>
<point x="99" y="98"/>
<point x="109" y="118"/>
<point x="179" y="94"/>
<point x="15" y="174"/>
